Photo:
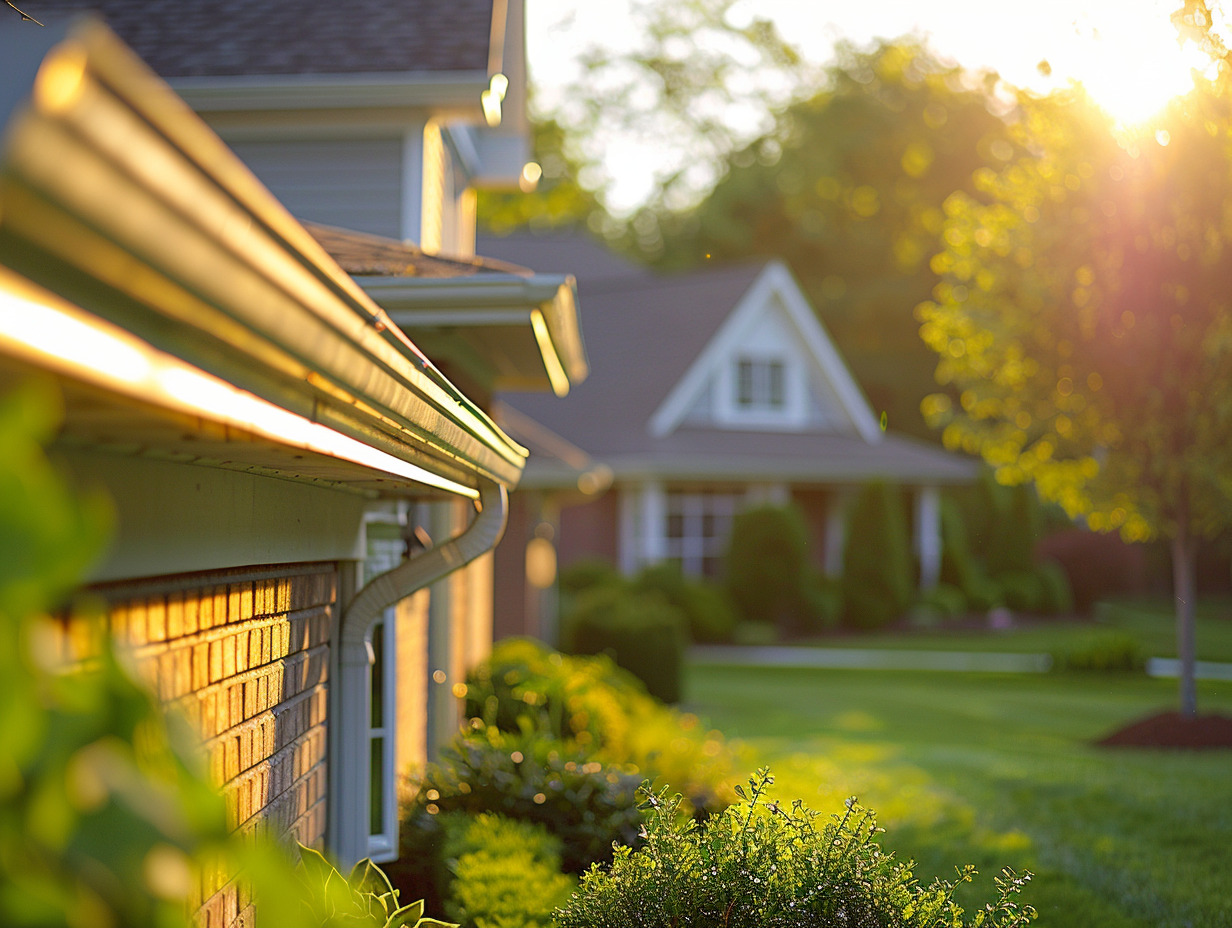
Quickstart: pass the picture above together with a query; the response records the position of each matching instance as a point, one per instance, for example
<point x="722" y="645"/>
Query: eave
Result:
<point x="119" y="206"/>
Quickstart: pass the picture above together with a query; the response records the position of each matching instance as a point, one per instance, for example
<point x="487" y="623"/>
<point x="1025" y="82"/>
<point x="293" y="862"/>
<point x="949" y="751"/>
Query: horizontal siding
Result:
<point x="353" y="183"/>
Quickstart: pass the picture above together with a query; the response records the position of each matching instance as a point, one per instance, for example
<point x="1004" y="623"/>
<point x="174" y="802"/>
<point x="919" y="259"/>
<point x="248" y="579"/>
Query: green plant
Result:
<point x="878" y="574"/>
<point x="942" y="603"/>
<point x="105" y="813"/>
<point x="530" y="777"/>
<point x="506" y="873"/>
<point x="708" y="610"/>
<point x="1058" y="598"/>
<point x="602" y="712"/>
<point x="362" y="899"/>
<point x="766" y="865"/>
<point x="642" y="632"/>
<point x="766" y="568"/>
<point x="1102" y="652"/>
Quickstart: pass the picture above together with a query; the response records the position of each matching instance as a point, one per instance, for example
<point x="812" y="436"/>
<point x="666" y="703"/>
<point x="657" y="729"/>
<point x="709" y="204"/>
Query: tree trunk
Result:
<point x="1184" y="567"/>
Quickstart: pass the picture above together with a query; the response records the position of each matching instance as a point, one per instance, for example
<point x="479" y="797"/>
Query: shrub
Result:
<point x="823" y="600"/>
<point x="943" y="603"/>
<point x="506" y="873"/>
<point x="1057" y="598"/>
<point x="1015" y="531"/>
<point x="1023" y="591"/>
<point x="587" y="574"/>
<point x="643" y="633"/>
<point x="1111" y="651"/>
<point x="878" y="574"/>
<point x="532" y="778"/>
<point x="604" y="712"/>
<point x="766" y="865"/>
<point x="766" y="567"/>
<point x="709" y="613"/>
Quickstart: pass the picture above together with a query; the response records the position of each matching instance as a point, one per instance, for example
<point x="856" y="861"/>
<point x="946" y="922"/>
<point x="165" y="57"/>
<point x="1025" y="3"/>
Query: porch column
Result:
<point x="928" y="535"/>
<point x="836" y="533"/>
<point x="643" y="525"/>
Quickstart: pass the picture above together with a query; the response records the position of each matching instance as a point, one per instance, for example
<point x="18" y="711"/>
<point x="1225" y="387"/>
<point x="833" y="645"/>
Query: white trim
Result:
<point x="441" y="92"/>
<point x="928" y="535"/>
<point x="775" y="279"/>
<point x="412" y="182"/>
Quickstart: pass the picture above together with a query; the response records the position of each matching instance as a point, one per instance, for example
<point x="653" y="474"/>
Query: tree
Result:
<point x="558" y="200"/>
<point x="848" y="188"/>
<point x="1083" y="318"/>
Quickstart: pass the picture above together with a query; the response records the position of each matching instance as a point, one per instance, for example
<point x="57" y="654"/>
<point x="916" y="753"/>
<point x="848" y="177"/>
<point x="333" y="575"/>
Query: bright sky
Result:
<point x="1124" y="51"/>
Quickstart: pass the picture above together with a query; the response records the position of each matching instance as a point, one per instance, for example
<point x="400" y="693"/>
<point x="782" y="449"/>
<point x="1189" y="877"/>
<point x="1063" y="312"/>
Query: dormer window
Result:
<point x="761" y="384"/>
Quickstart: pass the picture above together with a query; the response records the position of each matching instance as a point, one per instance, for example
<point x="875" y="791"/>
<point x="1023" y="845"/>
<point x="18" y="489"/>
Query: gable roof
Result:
<point x="182" y="38"/>
<point x="774" y="281"/>
<point x="646" y="332"/>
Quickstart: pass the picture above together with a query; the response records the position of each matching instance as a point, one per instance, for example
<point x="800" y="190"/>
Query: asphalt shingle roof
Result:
<point x="196" y="38"/>
<point x="643" y="331"/>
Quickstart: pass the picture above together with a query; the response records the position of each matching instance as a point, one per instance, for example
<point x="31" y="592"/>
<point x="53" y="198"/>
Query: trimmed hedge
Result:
<point x="709" y="613"/>
<point x="766" y="569"/>
<point x="642" y="632"/>
<point x="878" y="574"/>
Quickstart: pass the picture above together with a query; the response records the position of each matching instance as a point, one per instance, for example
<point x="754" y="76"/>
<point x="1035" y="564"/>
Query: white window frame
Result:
<point x="761" y="405"/>
<point x="694" y="545"/>
<point x="385" y="551"/>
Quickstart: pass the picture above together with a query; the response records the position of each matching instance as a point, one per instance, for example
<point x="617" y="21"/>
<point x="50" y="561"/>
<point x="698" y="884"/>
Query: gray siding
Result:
<point x="353" y="183"/>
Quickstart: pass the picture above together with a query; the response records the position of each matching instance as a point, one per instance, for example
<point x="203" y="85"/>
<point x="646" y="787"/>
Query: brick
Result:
<point x="215" y="661"/>
<point x="175" y="615"/>
<point x="228" y="656"/>
<point x="156" y="619"/>
<point x="192" y="613"/>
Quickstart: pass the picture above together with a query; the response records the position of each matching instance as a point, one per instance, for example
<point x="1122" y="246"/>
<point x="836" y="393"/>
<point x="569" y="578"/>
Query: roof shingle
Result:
<point x="216" y="38"/>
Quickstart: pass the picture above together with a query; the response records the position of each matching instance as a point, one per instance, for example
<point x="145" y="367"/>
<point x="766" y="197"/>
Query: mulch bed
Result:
<point x="1171" y="730"/>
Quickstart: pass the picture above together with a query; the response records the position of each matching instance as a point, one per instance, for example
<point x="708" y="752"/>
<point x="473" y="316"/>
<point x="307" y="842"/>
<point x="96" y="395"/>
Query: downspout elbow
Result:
<point x="386" y="589"/>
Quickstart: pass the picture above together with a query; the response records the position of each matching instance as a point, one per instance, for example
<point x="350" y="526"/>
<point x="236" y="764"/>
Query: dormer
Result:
<point x="769" y="367"/>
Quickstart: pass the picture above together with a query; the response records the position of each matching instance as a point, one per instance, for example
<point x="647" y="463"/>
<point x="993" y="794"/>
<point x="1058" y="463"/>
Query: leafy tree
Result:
<point x="559" y="200"/>
<point x="1084" y="320"/>
<point x="702" y="79"/>
<point x="848" y="188"/>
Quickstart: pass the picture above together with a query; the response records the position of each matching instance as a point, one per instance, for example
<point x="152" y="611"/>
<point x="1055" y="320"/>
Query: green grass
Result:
<point x="1001" y="770"/>
<point x="1148" y="621"/>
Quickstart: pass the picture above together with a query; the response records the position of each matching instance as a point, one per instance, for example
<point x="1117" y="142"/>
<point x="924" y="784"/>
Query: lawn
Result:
<point x="1000" y="770"/>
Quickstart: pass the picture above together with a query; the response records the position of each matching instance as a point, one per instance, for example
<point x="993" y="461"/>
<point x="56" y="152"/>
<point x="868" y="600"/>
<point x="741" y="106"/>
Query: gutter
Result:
<point x="349" y="803"/>
<point x="114" y="195"/>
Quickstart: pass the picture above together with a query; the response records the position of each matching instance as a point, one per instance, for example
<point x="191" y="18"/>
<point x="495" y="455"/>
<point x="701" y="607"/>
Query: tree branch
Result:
<point x="25" y="16"/>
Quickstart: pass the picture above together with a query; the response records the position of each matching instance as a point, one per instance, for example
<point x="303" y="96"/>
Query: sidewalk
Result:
<point x="888" y="659"/>
<point x="870" y="659"/>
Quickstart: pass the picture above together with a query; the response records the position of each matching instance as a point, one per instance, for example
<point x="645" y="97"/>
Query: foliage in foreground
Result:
<point x="762" y="864"/>
<point x="362" y="899"/>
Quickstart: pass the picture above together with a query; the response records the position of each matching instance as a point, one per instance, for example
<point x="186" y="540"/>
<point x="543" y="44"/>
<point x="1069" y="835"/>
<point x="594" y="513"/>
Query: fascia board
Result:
<point x="113" y="192"/>
<point x="822" y="348"/>
<point x="452" y="92"/>
<point x="497" y="299"/>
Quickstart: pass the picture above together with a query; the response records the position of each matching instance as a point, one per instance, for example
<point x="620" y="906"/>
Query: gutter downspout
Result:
<point x="349" y="751"/>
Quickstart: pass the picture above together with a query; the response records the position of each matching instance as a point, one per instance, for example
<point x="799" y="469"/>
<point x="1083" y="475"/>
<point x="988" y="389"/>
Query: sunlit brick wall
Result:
<point x="244" y="655"/>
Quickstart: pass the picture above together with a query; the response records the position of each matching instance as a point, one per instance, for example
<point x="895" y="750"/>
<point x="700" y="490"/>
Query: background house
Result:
<point x="280" y="453"/>
<point x="710" y="391"/>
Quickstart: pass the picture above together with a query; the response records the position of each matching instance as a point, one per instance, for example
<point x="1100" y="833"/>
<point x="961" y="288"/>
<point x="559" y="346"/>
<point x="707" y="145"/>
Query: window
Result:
<point x="761" y="383"/>
<point x="698" y="526"/>
<point x="382" y="809"/>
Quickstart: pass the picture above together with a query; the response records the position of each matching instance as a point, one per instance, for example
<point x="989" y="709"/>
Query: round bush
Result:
<point x="766" y="567"/>
<point x="642" y="633"/>
<point x="709" y="612"/>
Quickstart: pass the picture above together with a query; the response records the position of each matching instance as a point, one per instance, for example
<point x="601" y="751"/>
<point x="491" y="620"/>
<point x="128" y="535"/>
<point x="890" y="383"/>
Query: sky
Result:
<point x="1124" y="51"/>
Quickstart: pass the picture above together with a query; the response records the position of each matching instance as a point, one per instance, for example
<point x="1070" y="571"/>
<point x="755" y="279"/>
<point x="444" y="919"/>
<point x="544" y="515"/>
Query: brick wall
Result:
<point x="244" y="655"/>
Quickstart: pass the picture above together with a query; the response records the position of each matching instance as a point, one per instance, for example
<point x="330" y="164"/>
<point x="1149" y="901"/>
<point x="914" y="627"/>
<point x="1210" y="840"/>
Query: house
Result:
<point x="306" y="500"/>
<point x="709" y="391"/>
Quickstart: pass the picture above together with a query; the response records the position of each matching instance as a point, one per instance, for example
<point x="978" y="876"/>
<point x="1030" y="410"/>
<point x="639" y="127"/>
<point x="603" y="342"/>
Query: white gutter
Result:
<point x="349" y="725"/>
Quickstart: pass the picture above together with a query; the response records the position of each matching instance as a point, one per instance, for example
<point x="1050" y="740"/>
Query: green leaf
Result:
<point x="408" y="915"/>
